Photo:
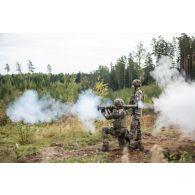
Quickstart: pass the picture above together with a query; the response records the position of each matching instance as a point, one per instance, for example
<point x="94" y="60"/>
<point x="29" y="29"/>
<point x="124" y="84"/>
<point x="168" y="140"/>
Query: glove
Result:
<point x="103" y="110"/>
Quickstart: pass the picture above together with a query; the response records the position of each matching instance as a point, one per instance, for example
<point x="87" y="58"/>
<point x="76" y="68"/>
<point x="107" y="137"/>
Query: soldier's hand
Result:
<point x="103" y="111"/>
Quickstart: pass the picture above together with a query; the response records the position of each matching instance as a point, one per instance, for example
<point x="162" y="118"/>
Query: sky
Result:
<point x="68" y="53"/>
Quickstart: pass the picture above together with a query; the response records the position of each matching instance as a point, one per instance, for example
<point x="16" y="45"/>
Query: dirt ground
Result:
<point x="168" y="146"/>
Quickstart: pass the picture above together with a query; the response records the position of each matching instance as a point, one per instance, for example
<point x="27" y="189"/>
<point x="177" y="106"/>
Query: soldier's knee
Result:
<point x="105" y="130"/>
<point x="127" y="135"/>
<point x="121" y="141"/>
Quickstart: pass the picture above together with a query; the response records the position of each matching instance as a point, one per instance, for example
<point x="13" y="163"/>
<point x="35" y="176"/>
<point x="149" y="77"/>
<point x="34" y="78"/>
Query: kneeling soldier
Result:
<point x="119" y="129"/>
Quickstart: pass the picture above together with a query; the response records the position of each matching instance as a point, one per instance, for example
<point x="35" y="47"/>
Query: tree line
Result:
<point x="119" y="75"/>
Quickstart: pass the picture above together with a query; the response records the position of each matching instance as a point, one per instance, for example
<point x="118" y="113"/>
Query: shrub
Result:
<point x="3" y="117"/>
<point x="101" y="88"/>
<point x="151" y="91"/>
<point x="25" y="133"/>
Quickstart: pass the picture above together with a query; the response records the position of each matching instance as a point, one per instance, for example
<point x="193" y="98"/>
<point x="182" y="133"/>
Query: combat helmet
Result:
<point x="119" y="102"/>
<point x="136" y="83"/>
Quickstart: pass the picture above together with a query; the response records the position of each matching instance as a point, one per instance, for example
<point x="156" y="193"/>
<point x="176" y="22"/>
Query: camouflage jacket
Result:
<point x="137" y="96"/>
<point x="119" y="118"/>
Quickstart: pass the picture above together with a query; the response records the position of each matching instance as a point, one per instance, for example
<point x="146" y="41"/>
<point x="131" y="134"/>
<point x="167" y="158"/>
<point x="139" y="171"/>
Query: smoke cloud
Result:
<point x="86" y="109"/>
<point x="32" y="109"/>
<point x="176" y="104"/>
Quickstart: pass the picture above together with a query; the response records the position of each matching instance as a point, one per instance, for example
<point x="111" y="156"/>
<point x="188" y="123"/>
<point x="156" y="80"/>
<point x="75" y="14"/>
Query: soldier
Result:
<point x="135" y="129"/>
<point x="119" y="129"/>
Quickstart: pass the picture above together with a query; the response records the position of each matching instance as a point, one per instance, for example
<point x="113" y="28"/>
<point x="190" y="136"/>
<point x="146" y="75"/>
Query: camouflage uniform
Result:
<point x="135" y="129"/>
<point x="118" y="130"/>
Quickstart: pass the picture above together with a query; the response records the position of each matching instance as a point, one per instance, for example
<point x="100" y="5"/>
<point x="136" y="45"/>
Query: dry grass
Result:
<point x="68" y="141"/>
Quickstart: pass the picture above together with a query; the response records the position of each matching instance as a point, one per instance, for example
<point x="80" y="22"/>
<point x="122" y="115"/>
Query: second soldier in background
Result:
<point x="135" y="128"/>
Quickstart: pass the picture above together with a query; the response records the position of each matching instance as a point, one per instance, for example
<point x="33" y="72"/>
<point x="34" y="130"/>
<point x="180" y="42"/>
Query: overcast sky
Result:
<point x="68" y="53"/>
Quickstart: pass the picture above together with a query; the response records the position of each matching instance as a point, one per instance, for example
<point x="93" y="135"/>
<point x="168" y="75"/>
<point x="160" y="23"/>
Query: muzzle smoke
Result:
<point x="86" y="109"/>
<point x="32" y="109"/>
<point x="176" y="104"/>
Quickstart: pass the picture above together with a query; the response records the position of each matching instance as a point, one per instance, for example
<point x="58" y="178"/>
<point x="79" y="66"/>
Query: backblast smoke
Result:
<point x="32" y="109"/>
<point x="176" y="104"/>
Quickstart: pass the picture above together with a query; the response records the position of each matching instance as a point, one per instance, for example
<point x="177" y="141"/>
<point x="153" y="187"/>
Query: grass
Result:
<point x="18" y="140"/>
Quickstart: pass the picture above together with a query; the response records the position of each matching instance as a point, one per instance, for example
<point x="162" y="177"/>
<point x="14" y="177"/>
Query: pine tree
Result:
<point x="31" y="67"/>
<point x="113" y="84"/>
<point x="18" y="68"/>
<point x="49" y="69"/>
<point x="120" y="71"/>
<point x="7" y="68"/>
<point x="130" y="69"/>
<point x="149" y="67"/>
<point x="162" y="47"/>
<point x="140" y="52"/>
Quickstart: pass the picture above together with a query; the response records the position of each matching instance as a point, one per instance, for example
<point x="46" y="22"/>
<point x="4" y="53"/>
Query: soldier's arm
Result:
<point x="116" y="114"/>
<point x="139" y="96"/>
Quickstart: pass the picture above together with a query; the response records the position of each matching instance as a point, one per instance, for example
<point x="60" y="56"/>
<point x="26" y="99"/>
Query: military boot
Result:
<point x="104" y="148"/>
<point x="132" y="146"/>
<point x="105" y="145"/>
<point x="140" y="146"/>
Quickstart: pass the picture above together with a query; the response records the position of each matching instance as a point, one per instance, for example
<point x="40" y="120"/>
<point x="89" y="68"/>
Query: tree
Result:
<point x="78" y="77"/>
<point x="113" y="84"/>
<point x="176" y="57"/>
<point x="134" y="71"/>
<point x="31" y="67"/>
<point x="186" y="48"/>
<point x="103" y="73"/>
<point x="49" y="69"/>
<point x="149" y="67"/>
<point x="18" y="68"/>
<point x="120" y="71"/>
<point x="161" y="48"/>
<point x="140" y="52"/>
<point x="7" y="68"/>
<point x="130" y="69"/>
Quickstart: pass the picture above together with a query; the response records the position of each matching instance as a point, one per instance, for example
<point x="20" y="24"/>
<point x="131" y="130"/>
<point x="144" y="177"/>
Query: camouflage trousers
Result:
<point x="122" y="135"/>
<point x="135" y="133"/>
<point x="135" y="129"/>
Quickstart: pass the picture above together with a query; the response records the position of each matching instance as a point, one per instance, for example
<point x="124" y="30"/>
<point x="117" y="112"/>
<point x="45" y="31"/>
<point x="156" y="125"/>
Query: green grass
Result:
<point x="18" y="140"/>
<point x="12" y="148"/>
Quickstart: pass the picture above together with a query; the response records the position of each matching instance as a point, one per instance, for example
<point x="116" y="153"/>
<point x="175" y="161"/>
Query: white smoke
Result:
<point x="32" y="109"/>
<point x="141" y="105"/>
<point x="176" y="104"/>
<point x="86" y="109"/>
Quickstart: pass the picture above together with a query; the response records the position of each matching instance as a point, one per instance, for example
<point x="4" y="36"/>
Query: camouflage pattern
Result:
<point x="119" y="129"/>
<point x="135" y="128"/>
<point x="119" y="102"/>
<point x="136" y="83"/>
